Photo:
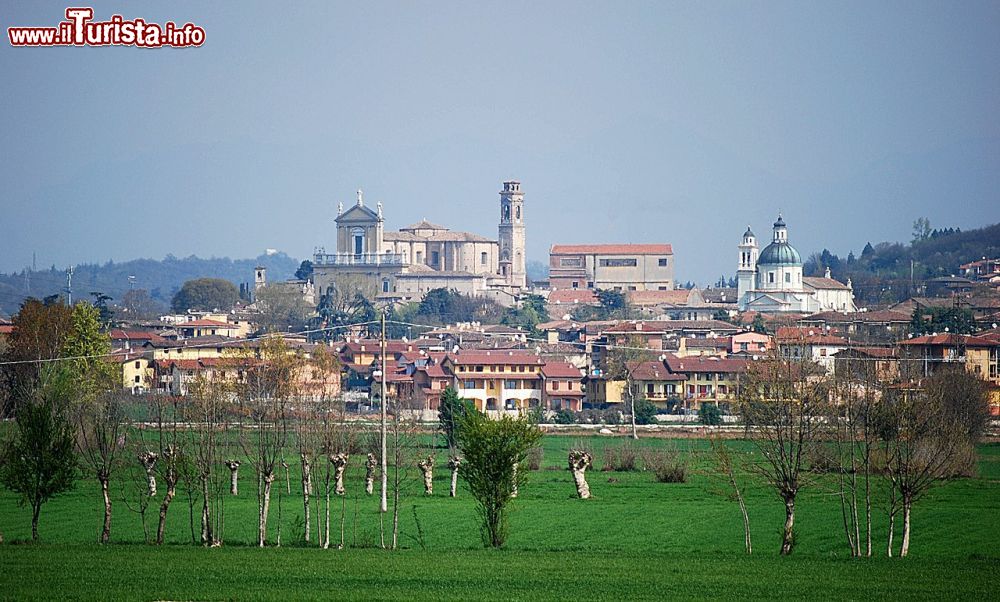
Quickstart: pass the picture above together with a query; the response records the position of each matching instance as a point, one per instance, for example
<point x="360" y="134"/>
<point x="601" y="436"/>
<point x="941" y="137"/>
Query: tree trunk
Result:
<point x="788" y="537"/>
<point x="579" y="461"/>
<point x="427" y="467"/>
<point x="306" y="491"/>
<point x="207" y="537"/>
<point x="453" y="463"/>
<point x="36" y="508"/>
<point x="106" y="530"/>
<point x="370" y="465"/>
<point x="339" y="462"/>
<point x="148" y="461"/>
<point x="265" y="506"/>
<point x="165" y="505"/>
<point x="905" y="549"/>
<point x="234" y="476"/>
<point x="635" y="431"/>
<point x="513" y="486"/>
<point x="746" y="522"/>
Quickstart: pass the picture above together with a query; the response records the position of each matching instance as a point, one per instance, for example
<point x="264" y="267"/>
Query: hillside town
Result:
<point x="608" y="327"/>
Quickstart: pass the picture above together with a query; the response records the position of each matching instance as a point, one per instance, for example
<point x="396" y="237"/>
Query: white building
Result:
<point x="772" y="281"/>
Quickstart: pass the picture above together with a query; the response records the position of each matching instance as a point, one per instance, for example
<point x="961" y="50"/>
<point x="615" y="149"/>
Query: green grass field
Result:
<point x="634" y="539"/>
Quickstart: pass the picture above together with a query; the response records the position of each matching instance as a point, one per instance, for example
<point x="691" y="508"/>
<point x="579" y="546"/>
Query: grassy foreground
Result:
<point x="635" y="539"/>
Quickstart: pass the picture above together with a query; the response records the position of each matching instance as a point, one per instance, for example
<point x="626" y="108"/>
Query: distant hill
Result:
<point x="881" y="272"/>
<point x="162" y="278"/>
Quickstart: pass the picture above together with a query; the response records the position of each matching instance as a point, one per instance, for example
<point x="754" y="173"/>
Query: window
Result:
<point x="483" y="258"/>
<point x="435" y="258"/>
<point x="571" y="262"/>
<point x="137" y="364"/>
<point x="137" y="378"/>
<point x="385" y="286"/>
<point x="770" y="277"/>
<point x="661" y="288"/>
<point x="468" y="384"/>
<point x="617" y="263"/>
<point x="788" y="277"/>
<point x="662" y="262"/>
<point x="649" y="389"/>
<point x="510" y="384"/>
<point x="420" y="256"/>
<point x="576" y="284"/>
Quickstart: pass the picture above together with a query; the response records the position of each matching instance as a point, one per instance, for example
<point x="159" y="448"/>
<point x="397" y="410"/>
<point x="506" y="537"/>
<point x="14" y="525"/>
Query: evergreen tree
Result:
<point x="451" y="411"/>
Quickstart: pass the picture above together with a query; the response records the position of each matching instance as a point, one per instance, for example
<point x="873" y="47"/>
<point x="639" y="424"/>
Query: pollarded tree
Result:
<point x="37" y="462"/>
<point x="492" y="449"/>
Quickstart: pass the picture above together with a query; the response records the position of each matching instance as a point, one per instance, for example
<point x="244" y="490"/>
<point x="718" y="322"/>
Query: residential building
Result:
<point x="497" y="380"/>
<point x="563" y="386"/>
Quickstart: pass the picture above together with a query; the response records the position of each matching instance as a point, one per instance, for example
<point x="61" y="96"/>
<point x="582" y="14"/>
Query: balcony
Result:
<point x="357" y="259"/>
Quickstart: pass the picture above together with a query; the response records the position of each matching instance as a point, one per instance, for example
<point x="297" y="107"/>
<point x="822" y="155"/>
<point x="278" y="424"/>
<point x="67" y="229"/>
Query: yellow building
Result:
<point x="497" y="380"/>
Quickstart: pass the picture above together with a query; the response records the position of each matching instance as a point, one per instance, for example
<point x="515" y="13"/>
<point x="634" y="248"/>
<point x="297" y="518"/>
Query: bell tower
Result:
<point x="511" y="230"/>
<point x="746" y="274"/>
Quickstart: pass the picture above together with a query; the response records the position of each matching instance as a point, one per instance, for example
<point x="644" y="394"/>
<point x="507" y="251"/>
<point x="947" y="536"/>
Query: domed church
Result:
<point x="772" y="281"/>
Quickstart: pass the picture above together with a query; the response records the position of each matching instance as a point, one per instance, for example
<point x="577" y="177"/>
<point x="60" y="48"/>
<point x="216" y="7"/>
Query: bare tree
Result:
<point x="931" y="430"/>
<point x="208" y="411"/>
<point x="620" y="362"/>
<point x="101" y="427"/>
<point x="783" y="403"/>
<point x="171" y="446"/>
<point x="269" y="382"/>
<point x="726" y="467"/>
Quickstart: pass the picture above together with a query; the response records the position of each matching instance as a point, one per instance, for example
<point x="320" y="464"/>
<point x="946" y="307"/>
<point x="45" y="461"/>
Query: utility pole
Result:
<point x="382" y="401"/>
<point x="69" y="284"/>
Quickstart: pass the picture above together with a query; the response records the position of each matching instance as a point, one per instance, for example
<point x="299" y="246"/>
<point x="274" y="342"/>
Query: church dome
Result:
<point x="779" y="253"/>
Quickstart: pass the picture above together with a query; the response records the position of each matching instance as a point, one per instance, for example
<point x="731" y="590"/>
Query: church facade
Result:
<point x="407" y="263"/>
<point x="771" y="281"/>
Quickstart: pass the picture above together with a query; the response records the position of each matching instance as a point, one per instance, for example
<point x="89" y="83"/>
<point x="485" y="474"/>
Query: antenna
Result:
<point x="69" y="284"/>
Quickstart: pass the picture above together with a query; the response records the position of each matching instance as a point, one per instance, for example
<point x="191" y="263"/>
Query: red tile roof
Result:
<point x="655" y="370"/>
<point x="206" y="324"/>
<point x="950" y="340"/>
<point x="572" y="296"/>
<point x="705" y="364"/>
<point x="613" y="249"/>
<point x="499" y="358"/>
<point x="676" y="297"/>
<point x="561" y="370"/>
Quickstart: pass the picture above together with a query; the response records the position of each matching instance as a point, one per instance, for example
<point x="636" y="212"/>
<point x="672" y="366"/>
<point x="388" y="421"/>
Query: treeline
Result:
<point x="882" y="272"/>
<point x="162" y="278"/>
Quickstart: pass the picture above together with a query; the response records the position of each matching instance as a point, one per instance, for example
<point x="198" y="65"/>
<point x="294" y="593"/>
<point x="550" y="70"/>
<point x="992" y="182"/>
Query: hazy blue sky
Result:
<point x="624" y="121"/>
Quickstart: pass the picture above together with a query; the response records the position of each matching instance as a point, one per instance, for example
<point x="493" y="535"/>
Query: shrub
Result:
<point x="621" y="458"/>
<point x="645" y="411"/>
<point x="667" y="465"/>
<point x="565" y="416"/>
<point x="709" y="414"/>
<point x="492" y="449"/>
